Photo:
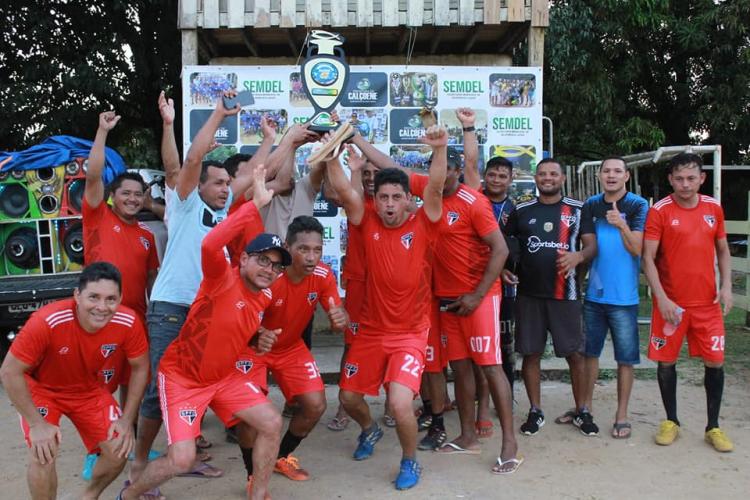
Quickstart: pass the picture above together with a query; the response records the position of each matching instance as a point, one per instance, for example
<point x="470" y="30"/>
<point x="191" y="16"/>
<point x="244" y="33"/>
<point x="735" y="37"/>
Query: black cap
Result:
<point x="453" y="160"/>
<point x="269" y="241"/>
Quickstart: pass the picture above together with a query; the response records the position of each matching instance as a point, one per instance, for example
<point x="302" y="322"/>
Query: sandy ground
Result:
<point x="560" y="462"/>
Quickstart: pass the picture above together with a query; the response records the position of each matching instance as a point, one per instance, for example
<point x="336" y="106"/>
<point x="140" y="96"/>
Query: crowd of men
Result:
<point x="465" y="278"/>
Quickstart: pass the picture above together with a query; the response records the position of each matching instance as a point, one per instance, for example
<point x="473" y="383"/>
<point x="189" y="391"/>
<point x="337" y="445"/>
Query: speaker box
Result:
<point x="70" y="245"/>
<point x="27" y="247"/>
<point x="46" y="185"/>
<point x="75" y="183"/>
<point x="16" y="200"/>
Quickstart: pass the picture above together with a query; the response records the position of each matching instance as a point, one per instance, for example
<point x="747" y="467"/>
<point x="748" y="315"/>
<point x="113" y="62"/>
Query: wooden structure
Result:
<point x="266" y="29"/>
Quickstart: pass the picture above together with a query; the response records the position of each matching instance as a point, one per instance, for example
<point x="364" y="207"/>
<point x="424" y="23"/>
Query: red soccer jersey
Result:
<point x="687" y="248"/>
<point x="130" y="247"/>
<point x="461" y="255"/>
<point x="355" y="250"/>
<point x="398" y="287"/>
<point x="65" y="357"/>
<point x="224" y="316"/>
<point x="294" y="303"/>
<point x="252" y="229"/>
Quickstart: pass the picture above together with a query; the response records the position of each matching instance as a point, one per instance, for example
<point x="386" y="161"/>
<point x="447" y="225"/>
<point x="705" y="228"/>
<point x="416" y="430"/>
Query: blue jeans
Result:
<point x="622" y="321"/>
<point x="164" y="323"/>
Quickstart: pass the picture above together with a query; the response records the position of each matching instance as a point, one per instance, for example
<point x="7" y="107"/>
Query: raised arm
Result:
<point x="350" y="199"/>
<point x="436" y="137"/>
<point x="94" y="190"/>
<point x="189" y="175"/>
<point x="244" y="178"/>
<point x="356" y="163"/>
<point x="373" y="154"/>
<point x="170" y="157"/>
<point x="467" y="118"/>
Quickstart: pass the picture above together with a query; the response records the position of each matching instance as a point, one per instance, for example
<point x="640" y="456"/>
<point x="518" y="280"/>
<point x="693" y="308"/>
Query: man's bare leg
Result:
<point x="624" y="388"/>
<point x="42" y="479"/>
<point x="591" y="374"/>
<point x="265" y="420"/>
<point x="180" y="458"/>
<point x="106" y="470"/>
<point x="406" y="423"/>
<point x="148" y="429"/>
<point x="465" y="393"/>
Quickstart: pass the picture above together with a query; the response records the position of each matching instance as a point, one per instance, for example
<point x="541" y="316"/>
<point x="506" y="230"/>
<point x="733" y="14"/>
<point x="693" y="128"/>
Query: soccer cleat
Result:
<point x="408" y="475"/>
<point x="367" y="442"/>
<point x="667" y="433"/>
<point x="585" y="422"/>
<point x="423" y="422"/>
<point x="719" y="440"/>
<point x="433" y="440"/>
<point x="289" y="466"/>
<point x="534" y="422"/>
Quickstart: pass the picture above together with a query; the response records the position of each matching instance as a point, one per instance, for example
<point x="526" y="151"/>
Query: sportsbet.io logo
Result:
<point x="534" y="244"/>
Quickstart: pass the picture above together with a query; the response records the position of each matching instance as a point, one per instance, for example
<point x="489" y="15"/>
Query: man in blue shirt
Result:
<point x="617" y="217"/>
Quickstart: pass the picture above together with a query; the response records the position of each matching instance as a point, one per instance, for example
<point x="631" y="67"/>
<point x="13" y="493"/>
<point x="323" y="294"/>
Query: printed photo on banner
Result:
<point x="206" y="88"/>
<point x="250" y="124"/>
<point x="522" y="157"/>
<point x="413" y="89"/>
<point x="343" y="237"/>
<point x="372" y="124"/>
<point x="300" y="159"/>
<point x="333" y="262"/>
<point x="459" y="148"/>
<point x="366" y="90"/>
<point x="415" y="157"/>
<point x="221" y="153"/>
<point x="512" y="89"/>
<point x="297" y="95"/>
<point x="225" y="134"/>
<point x="406" y="126"/>
<point x="455" y="129"/>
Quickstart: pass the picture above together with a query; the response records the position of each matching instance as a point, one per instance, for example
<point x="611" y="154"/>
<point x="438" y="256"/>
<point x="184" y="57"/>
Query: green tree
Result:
<point x="62" y="62"/>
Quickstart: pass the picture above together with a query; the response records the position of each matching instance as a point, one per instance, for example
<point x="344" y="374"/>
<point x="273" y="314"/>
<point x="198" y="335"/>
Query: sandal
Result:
<point x="338" y="423"/>
<point x="498" y="468"/>
<point x="566" y="418"/>
<point x="618" y="427"/>
<point x="484" y="428"/>
<point x="389" y="421"/>
<point x="203" y="470"/>
<point x="331" y="149"/>
<point x="203" y="456"/>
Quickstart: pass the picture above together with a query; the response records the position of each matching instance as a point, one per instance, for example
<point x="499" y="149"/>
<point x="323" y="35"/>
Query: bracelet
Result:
<point x="469" y="129"/>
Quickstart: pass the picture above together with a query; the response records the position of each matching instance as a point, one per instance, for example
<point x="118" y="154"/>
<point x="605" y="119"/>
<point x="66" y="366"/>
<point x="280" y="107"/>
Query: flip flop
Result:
<point x="203" y="470"/>
<point x="152" y="494"/>
<point x="203" y="455"/>
<point x="484" y="428"/>
<point x="389" y="421"/>
<point x="338" y="423"/>
<point x="497" y="469"/>
<point x="452" y="448"/>
<point x="619" y="426"/>
<point x="332" y="148"/>
<point x="566" y="418"/>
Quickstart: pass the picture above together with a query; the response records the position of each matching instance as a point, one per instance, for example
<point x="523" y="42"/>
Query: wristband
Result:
<point x="469" y="129"/>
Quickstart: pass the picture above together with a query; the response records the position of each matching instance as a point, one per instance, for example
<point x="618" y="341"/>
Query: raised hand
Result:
<point x="466" y="116"/>
<point x="435" y="136"/>
<point x="108" y="120"/>
<point x="220" y="109"/>
<point x="166" y="109"/>
<point x="261" y="195"/>
<point x="355" y="160"/>
<point x="267" y="129"/>
<point x="299" y="134"/>
<point x="614" y="217"/>
<point x="337" y="315"/>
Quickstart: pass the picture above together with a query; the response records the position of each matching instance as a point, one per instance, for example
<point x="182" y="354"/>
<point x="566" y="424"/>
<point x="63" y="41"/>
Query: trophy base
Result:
<point x="322" y="123"/>
<point x="331" y="149"/>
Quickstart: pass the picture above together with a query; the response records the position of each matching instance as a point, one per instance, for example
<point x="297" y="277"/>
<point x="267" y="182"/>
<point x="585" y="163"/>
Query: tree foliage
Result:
<point x="64" y="61"/>
<point x="627" y="76"/>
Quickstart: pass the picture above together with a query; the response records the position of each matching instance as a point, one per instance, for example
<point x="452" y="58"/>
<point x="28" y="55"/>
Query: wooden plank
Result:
<point x="262" y="14"/>
<point x="536" y="46"/>
<point x="189" y="47"/>
<point x="210" y="14"/>
<point x="539" y="13"/>
<point x="390" y="13"/>
<point x="236" y="13"/>
<point x="313" y="13"/>
<point x="516" y="11"/>
<point x="364" y="13"/>
<point x="441" y="13"/>
<point x="188" y="17"/>
<point x="288" y="11"/>
<point x="415" y="12"/>
<point x="339" y="9"/>
<point x="466" y="12"/>
<point x="491" y="14"/>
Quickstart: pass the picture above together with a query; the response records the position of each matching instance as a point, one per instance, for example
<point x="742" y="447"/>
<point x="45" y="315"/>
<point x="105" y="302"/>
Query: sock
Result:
<point x="289" y="443"/>
<point x="437" y="422"/>
<point x="247" y="457"/>
<point x="426" y="407"/>
<point x="667" y="377"/>
<point x="713" y="381"/>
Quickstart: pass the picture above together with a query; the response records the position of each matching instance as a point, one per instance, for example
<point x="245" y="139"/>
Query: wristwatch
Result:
<point x="469" y="129"/>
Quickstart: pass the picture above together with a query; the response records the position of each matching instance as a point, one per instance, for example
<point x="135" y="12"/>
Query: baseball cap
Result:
<point x="269" y="241"/>
<point x="454" y="159"/>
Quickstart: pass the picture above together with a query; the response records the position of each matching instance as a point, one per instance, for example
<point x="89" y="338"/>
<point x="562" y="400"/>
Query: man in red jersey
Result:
<point x="199" y="368"/>
<point x="297" y="292"/>
<point x="390" y="346"/>
<point x="684" y="235"/>
<point x="52" y="370"/>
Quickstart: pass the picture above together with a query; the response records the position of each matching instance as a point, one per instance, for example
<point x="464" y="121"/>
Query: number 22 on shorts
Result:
<point x="717" y="343"/>
<point x="411" y="365"/>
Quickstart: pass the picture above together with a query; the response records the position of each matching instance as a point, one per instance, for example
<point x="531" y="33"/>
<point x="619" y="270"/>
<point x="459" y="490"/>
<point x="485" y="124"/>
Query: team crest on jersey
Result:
<point x="260" y="316"/>
<point x="376" y="236"/>
<point x="658" y="342"/>
<point x="354" y="327"/>
<point x="116" y="228"/>
<point x="351" y="369"/>
<point x="568" y="220"/>
<point x="710" y="220"/>
<point x="108" y="375"/>
<point x="548" y="226"/>
<point x="43" y="411"/>
<point x="279" y="303"/>
<point x="675" y="222"/>
<point x="188" y="415"/>
<point x="145" y="243"/>
<point x="108" y="349"/>
<point x="244" y="365"/>
<point x="444" y="340"/>
<point x="407" y="239"/>
<point x="452" y="218"/>
<point x="312" y="297"/>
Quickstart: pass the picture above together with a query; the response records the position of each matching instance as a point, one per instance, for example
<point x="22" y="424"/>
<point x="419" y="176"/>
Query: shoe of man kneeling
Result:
<point x="719" y="440"/>
<point x="289" y="466"/>
<point x="667" y="433"/>
<point x="408" y="475"/>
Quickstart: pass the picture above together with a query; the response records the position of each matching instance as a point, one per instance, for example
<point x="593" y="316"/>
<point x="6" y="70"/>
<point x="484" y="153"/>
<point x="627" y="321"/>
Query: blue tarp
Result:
<point x="59" y="150"/>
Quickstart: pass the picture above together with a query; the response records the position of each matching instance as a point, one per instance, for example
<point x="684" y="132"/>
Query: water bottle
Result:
<point x="669" y="328"/>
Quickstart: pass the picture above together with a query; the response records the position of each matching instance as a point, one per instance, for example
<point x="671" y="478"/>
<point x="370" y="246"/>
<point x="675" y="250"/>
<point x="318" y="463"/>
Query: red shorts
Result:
<point x="355" y="299"/>
<point x="92" y="413"/>
<point x="379" y="359"/>
<point x="182" y="407"/>
<point x="476" y="336"/>
<point x="704" y="328"/>
<point x="293" y="368"/>
<point x="436" y="356"/>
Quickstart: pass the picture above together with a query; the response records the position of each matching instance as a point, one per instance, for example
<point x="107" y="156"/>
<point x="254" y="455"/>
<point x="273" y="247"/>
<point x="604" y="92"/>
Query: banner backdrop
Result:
<point x="382" y="102"/>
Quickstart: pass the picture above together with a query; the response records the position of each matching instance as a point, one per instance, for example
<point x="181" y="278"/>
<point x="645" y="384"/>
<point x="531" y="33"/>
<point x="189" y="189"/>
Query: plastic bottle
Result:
<point x="669" y="328"/>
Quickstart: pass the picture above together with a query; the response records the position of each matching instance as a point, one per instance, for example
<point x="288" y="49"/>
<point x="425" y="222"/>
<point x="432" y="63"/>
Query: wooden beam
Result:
<point x="390" y="13"/>
<point x="471" y="40"/>
<point x="436" y="35"/>
<point x="189" y="47"/>
<point x="403" y="40"/>
<point x="207" y="38"/>
<point x="491" y="12"/>
<point x="210" y="14"/>
<point x="365" y="14"/>
<point x="339" y="11"/>
<point x="511" y="36"/>
<point x="540" y="13"/>
<point x="292" y="42"/>
<point x="188" y="15"/>
<point x="414" y="12"/>
<point x="516" y="11"/>
<point x="251" y="46"/>
<point x="236" y="13"/>
<point x="288" y="14"/>
<point x="367" y="41"/>
<point x="441" y="13"/>
<point x="536" y="46"/>
<point x="313" y="13"/>
<point x="466" y="12"/>
<point x="262" y="14"/>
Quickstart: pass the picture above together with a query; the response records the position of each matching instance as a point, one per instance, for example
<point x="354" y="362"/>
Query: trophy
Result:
<point x="324" y="77"/>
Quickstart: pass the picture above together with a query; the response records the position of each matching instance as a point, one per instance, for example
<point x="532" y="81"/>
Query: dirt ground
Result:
<point x="560" y="462"/>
